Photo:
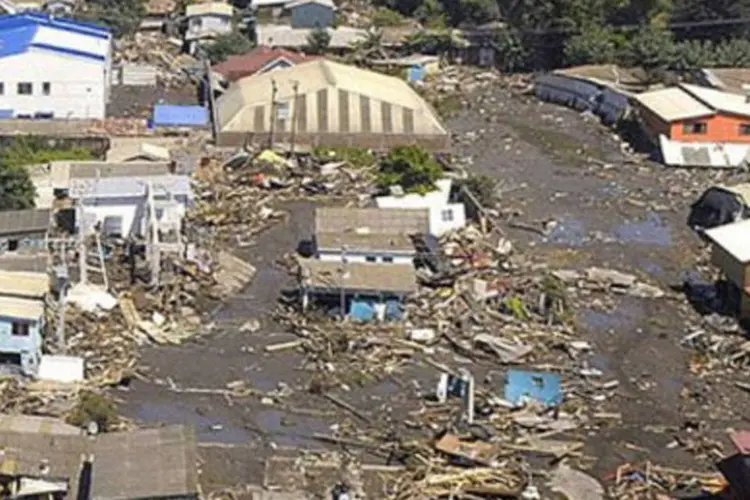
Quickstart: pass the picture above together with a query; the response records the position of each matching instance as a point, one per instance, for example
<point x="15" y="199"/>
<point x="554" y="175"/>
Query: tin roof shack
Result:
<point x="122" y="206"/>
<point x="368" y="234"/>
<point x="148" y="463"/>
<point x="22" y="308"/>
<point x="444" y="215"/>
<point x="24" y="230"/>
<point x="730" y="252"/>
<point x="327" y="104"/>
<point x="364" y="291"/>
<point x="697" y="126"/>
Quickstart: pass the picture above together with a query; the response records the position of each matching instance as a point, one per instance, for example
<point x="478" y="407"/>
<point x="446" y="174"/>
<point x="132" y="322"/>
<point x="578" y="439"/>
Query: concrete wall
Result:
<point x="312" y="15"/>
<point x="444" y="216"/>
<point x="78" y="87"/>
<point x="734" y="270"/>
<point x="132" y="211"/>
<point x="329" y="256"/>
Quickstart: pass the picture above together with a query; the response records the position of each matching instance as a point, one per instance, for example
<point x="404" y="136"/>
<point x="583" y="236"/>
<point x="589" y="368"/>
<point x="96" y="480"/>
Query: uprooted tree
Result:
<point x="412" y="168"/>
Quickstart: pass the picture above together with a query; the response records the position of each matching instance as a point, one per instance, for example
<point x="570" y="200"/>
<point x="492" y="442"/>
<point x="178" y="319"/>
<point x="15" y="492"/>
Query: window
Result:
<point x="370" y="258"/>
<point x="196" y="22"/>
<point x="695" y="128"/>
<point x="745" y="129"/>
<point x="12" y="245"/>
<point x="2" y="88"/>
<point x="447" y="215"/>
<point x="46" y="88"/>
<point x="20" y="329"/>
<point x="25" y="88"/>
<point x="387" y="259"/>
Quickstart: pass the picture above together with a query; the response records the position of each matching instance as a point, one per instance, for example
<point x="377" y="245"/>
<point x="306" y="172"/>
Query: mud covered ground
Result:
<point x="553" y="165"/>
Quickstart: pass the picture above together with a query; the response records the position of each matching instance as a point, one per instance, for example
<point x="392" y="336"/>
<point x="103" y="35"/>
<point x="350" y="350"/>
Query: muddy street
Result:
<point x="556" y="169"/>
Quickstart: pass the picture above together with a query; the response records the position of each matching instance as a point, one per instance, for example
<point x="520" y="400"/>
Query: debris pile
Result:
<point x="160" y="51"/>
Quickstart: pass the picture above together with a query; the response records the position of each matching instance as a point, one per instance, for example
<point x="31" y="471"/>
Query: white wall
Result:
<point x="351" y="257"/>
<point x="437" y="204"/>
<point x="78" y="87"/>
<point x="132" y="210"/>
<point x="210" y="24"/>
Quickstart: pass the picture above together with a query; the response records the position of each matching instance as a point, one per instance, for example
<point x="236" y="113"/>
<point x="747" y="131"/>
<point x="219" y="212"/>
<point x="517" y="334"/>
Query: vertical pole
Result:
<point x="295" y="86"/>
<point x="342" y="298"/>
<point x="211" y="102"/>
<point x="272" y="129"/>
<point x="82" y="256"/>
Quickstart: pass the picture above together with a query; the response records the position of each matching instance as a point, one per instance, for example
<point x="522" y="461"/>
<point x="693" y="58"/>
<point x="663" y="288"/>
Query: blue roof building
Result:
<point x="173" y="115"/>
<point x="53" y="68"/>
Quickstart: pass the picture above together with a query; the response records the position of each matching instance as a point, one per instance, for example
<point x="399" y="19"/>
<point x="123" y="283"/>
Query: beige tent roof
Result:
<point x="236" y="106"/>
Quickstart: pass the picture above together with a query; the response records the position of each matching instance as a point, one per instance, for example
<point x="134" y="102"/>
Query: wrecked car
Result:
<point x="720" y="205"/>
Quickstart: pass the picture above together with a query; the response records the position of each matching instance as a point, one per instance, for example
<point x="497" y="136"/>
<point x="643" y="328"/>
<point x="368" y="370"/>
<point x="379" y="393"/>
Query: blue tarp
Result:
<point x="542" y="387"/>
<point x="363" y="309"/>
<point x="611" y="106"/>
<point x="171" y="115"/>
<point x="416" y="73"/>
<point x="6" y="113"/>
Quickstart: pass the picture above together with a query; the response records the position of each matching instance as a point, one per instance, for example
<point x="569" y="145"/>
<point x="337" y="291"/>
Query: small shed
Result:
<point x="311" y="13"/>
<point x="180" y="116"/>
<point x="730" y="252"/>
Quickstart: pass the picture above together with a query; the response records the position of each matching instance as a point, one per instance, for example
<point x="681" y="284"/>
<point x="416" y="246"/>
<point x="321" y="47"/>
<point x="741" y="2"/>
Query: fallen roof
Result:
<point x="147" y="463"/>
<point x="729" y="79"/>
<point x="673" y="104"/>
<point x="728" y="102"/>
<point x="11" y="307"/>
<point x="368" y="228"/>
<point x="358" y="277"/>
<point x="733" y="238"/>
<point x="236" y="67"/>
<point x="25" y="221"/>
<point x="24" y="284"/>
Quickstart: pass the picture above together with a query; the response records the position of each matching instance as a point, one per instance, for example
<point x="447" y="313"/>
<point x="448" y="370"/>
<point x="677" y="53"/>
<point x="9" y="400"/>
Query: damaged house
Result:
<point x="362" y="290"/>
<point x="24" y="230"/>
<point x="730" y="252"/>
<point x="368" y="234"/>
<point x="22" y="306"/>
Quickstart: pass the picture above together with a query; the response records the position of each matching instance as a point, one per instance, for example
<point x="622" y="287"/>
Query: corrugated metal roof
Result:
<point x="173" y="115"/>
<point x="116" y="187"/>
<point x="61" y="172"/>
<point x="673" y="104"/>
<point x="25" y="221"/>
<point x="209" y="8"/>
<point x="282" y="35"/>
<point x="733" y="238"/>
<point x="358" y="277"/>
<point x="22" y="32"/>
<point x="727" y="102"/>
<point x="11" y="307"/>
<point x="373" y="229"/>
<point x="24" y="284"/>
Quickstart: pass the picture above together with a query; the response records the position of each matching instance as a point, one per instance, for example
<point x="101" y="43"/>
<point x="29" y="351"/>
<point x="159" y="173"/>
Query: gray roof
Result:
<point x="25" y="221"/>
<point x="148" y="463"/>
<point x="357" y="277"/>
<point x="116" y="187"/>
<point x="363" y="229"/>
<point x="22" y="262"/>
<point x="62" y="172"/>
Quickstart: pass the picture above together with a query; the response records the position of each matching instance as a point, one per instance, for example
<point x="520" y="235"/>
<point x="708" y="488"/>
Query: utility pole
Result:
<point x="295" y="86"/>
<point x="82" y="249"/>
<point x="274" y="90"/>
<point x="342" y="288"/>
<point x="152" y="238"/>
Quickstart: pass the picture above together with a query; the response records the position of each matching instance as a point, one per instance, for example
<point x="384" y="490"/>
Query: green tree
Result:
<point x="653" y="49"/>
<point x="16" y="189"/>
<point x="226" y="45"/>
<point x="122" y="16"/>
<point x="594" y="45"/>
<point x="410" y="167"/>
<point x="318" y="41"/>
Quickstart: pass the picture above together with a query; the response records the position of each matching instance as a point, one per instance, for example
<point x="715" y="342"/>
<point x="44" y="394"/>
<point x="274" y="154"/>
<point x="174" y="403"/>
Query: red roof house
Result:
<point x="259" y="60"/>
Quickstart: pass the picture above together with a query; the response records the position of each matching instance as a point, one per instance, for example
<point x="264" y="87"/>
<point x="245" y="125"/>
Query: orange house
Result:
<point x="691" y="113"/>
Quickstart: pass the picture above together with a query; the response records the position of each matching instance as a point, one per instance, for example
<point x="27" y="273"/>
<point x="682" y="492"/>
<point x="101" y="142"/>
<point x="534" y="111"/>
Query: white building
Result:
<point x="367" y="234"/>
<point x="53" y="68"/>
<point x="120" y="205"/>
<point x="444" y="216"/>
<point x="206" y="20"/>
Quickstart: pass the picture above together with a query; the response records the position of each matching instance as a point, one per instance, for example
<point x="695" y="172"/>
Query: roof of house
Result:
<point x="733" y="238"/>
<point x="11" y="307"/>
<point x="173" y="115"/>
<point x="24" y="284"/>
<point x="20" y="33"/>
<point x="25" y="221"/>
<point x="673" y="104"/>
<point x="157" y="7"/>
<point x="146" y="463"/>
<point x="729" y="79"/>
<point x="363" y="229"/>
<point x="118" y="187"/>
<point x="278" y="35"/>
<point x="357" y="277"/>
<point x="297" y="3"/>
<point x="61" y="172"/>
<point x="237" y="107"/>
<point x="256" y="60"/>
<point x="37" y="262"/>
<point x="38" y="425"/>
<point x="728" y="102"/>
<point x="209" y="9"/>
